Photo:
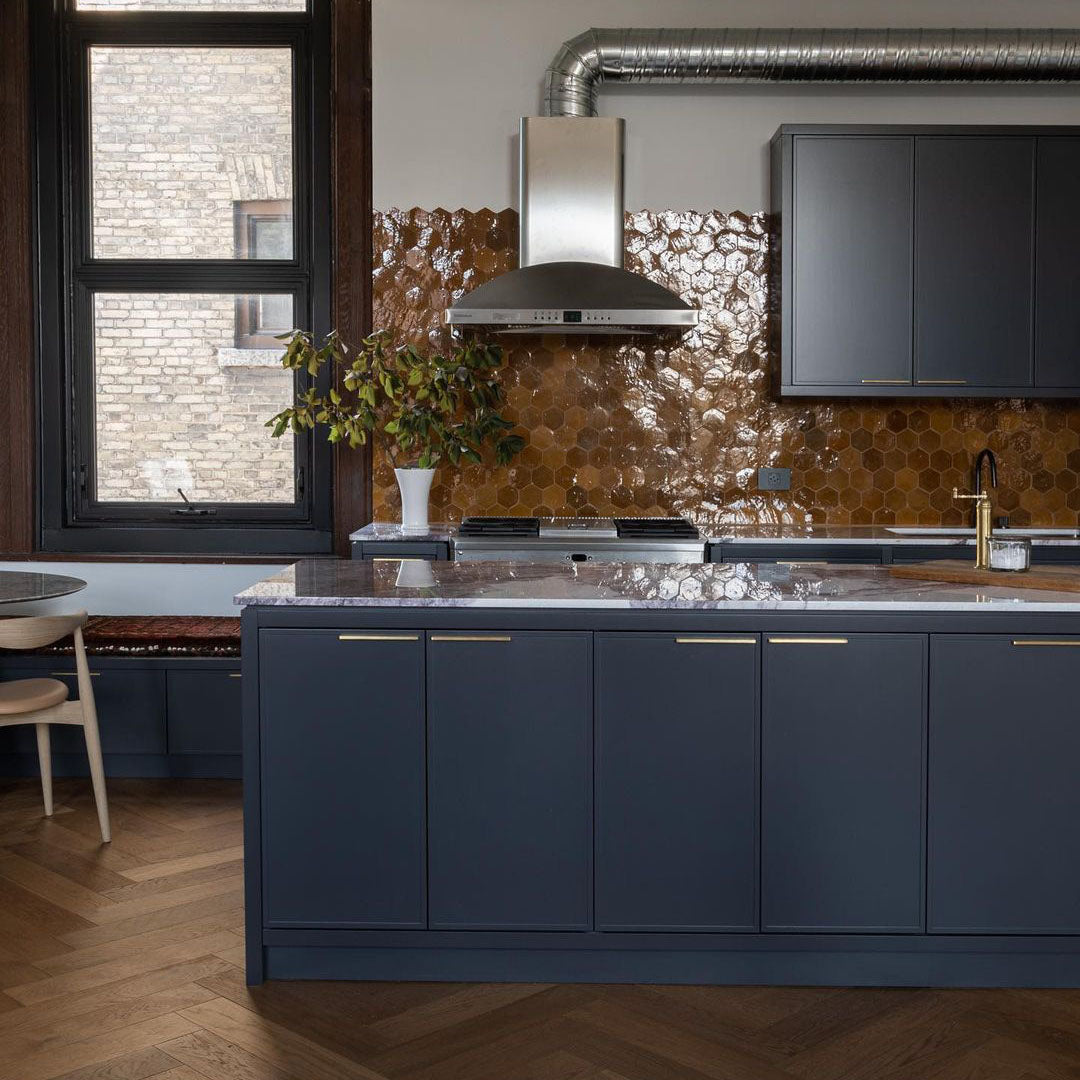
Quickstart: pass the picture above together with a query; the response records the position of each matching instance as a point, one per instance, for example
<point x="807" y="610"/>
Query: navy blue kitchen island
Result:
<point x="711" y="773"/>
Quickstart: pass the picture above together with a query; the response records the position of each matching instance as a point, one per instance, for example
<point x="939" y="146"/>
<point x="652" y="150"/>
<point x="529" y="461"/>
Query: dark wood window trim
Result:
<point x="351" y="141"/>
<point x="351" y="171"/>
<point x="18" y="420"/>
<point x="345" y="23"/>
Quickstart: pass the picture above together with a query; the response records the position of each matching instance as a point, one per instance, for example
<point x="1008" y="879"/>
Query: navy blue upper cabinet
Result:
<point x="926" y="261"/>
<point x="851" y="252"/>
<point x="510" y="780"/>
<point x="676" y="782"/>
<point x="1004" y="805"/>
<point x="1057" y="283"/>
<point x="974" y="228"/>
<point x="843" y="785"/>
<point x="342" y="778"/>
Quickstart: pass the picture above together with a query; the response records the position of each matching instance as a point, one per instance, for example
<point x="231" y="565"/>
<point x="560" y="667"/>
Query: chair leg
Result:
<point x="97" y="775"/>
<point x="45" y="765"/>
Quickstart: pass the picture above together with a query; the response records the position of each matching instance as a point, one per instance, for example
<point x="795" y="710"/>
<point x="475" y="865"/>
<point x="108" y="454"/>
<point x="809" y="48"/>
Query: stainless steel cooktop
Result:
<point x="579" y="539"/>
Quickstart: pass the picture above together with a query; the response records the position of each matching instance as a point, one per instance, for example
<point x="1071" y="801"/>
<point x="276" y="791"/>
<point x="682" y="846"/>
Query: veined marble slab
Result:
<point x="871" y="535"/>
<point x="620" y="586"/>
<point x="437" y="532"/>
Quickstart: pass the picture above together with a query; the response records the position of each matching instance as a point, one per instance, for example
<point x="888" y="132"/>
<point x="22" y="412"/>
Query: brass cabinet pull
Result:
<point x="398" y="558"/>
<point x="808" y="641"/>
<point x="715" y="641"/>
<point x="235" y="675"/>
<point x="378" y="637"/>
<point x="802" y="562"/>
<point x="942" y="382"/>
<point x="886" y="382"/>
<point x="470" y="637"/>
<point x="1075" y="642"/>
<point x="74" y="674"/>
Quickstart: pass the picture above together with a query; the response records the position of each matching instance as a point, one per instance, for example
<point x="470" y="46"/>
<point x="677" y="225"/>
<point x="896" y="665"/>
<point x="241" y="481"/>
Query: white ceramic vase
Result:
<point x="415" y="487"/>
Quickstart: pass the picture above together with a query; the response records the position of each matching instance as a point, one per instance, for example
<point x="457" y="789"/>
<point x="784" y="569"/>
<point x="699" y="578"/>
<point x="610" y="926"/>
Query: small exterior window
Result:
<point x="264" y="230"/>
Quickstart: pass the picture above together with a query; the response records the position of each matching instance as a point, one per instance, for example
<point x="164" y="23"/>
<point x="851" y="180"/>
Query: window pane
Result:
<point x="182" y="393"/>
<point x="191" y="5"/>
<point x="191" y="153"/>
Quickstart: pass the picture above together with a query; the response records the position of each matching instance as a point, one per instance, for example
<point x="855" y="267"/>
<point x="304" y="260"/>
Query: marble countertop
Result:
<point x="871" y="535"/>
<point x="437" y="532"/>
<point x="620" y="586"/>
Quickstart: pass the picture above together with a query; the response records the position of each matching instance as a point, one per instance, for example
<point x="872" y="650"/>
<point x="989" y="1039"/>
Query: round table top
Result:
<point x="21" y="586"/>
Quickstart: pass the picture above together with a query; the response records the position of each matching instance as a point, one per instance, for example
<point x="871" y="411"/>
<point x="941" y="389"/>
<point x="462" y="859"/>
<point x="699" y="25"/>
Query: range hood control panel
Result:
<point x="537" y="317"/>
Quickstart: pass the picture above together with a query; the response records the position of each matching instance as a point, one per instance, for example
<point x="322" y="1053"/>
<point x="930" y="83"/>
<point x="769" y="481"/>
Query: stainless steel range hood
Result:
<point x="571" y="278"/>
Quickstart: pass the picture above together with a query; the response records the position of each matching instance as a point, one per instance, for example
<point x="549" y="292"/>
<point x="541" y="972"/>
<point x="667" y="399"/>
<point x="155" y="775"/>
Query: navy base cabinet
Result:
<point x="130" y="699"/>
<point x="1004" y="823"/>
<point x="342" y="778"/>
<point x="159" y="717"/>
<point x="843" y="751"/>
<point x="749" y="796"/>
<point x="677" y="791"/>
<point x="510" y="780"/>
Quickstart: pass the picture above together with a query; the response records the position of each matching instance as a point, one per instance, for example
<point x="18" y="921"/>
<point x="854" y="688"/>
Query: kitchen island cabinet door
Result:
<point x="1004" y="808"/>
<point x="510" y="781"/>
<point x="342" y="778"/>
<point x="843" y="783"/>
<point x="676" y="782"/>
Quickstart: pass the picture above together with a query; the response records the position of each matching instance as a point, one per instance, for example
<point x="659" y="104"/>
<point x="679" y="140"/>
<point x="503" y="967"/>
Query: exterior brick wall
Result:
<point x="180" y="137"/>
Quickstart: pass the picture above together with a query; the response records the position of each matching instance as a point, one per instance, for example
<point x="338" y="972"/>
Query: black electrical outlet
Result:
<point x="774" y="479"/>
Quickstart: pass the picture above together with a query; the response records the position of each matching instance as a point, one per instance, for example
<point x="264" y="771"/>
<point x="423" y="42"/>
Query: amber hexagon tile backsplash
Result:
<point x="654" y="426"/>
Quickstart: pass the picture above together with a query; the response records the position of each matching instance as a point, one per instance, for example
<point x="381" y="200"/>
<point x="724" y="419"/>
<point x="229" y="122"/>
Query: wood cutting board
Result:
<point x="960" y="572"/>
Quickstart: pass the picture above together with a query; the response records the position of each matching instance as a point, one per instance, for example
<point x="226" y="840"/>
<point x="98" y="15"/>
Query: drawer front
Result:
<point x="797" y="554"/>
<point x="373" y="550"/>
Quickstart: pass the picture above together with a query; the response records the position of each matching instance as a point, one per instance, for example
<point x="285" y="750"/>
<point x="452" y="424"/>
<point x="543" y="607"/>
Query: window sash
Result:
<point x="70" y="518"/>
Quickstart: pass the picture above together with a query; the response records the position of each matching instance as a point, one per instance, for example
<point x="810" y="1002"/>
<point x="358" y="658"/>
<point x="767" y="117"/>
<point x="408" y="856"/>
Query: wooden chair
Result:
<point x="42" y="702"/>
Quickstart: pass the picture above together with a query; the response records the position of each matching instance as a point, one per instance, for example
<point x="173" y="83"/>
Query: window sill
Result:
<point x="249" y="358"/>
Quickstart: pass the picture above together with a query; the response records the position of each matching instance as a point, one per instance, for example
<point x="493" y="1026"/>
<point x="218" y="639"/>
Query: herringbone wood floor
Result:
<point x="123" y="962"/>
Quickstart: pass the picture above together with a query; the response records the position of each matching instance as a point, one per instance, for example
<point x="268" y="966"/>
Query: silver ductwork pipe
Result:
<point x="600" y="56"/>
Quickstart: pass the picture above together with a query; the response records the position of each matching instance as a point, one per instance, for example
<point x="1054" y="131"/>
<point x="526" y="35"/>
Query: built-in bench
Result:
<point x="168" y="697"/>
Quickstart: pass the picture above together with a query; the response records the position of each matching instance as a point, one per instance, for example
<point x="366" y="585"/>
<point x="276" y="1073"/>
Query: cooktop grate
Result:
<point x="499" y="526"/>
<point x="655" y="529"/>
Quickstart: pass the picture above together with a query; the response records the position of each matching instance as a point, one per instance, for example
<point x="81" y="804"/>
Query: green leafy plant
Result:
<point x="425" y="407"/>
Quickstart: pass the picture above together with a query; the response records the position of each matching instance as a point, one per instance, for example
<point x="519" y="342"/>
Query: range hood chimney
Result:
<point x="571" y="277"/>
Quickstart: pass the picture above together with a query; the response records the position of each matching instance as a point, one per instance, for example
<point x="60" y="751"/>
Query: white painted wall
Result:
<point x="452" y="77"/>
<point x="144" y="588"/>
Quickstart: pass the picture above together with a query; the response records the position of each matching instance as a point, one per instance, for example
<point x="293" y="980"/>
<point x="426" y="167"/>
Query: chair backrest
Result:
<point x="37" y="630"/>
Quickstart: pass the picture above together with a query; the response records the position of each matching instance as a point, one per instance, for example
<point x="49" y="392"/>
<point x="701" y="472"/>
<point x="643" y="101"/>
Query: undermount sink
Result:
<point x="916" y="530"/>
<point x="1035" y="533"/>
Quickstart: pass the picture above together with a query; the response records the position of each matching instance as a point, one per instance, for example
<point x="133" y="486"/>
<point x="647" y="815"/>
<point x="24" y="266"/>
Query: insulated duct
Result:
<point x="599" y="56"/>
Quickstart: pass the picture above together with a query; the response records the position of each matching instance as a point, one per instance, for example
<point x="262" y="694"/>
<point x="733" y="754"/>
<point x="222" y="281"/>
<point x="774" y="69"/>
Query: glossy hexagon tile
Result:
<point x="655" y="426"/>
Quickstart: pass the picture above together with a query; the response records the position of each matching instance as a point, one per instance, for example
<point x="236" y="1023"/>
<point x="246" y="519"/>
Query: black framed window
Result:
<point x="183" y="223"/>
